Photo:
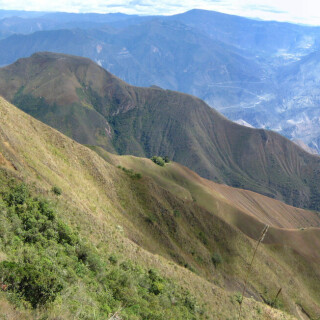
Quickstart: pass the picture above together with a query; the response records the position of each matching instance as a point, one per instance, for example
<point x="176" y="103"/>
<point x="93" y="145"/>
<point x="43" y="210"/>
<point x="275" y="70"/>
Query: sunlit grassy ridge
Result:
<point x="158" y="221"/>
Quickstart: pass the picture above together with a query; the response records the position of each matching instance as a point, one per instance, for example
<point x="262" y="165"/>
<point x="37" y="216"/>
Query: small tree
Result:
<point x="56" y="190"/>
<point x="158" y="160"/>
<point x="216" y="259"/>
<point x="36" y="283"/>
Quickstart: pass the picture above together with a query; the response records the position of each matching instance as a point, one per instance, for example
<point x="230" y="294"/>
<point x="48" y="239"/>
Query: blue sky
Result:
<point x="297" y="11"/>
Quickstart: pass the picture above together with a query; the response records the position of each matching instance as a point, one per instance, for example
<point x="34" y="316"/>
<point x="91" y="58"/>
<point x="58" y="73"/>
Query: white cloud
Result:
<point x="306" y="11"/>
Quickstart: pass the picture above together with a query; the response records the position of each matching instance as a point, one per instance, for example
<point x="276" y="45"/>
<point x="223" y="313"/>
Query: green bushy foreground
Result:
<point x="47" y="266"/>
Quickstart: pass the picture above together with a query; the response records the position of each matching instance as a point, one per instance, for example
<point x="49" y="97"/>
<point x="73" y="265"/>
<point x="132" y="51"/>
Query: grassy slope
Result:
<point x="90" y="105"/>
<point x="188" y="185"/>
<point x="49" y="264"/>
<point x="138" y="218"/>
<point x="292" y="236"/>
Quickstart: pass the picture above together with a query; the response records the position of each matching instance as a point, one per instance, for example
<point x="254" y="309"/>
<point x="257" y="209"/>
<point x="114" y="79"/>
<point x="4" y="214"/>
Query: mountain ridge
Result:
<point x="151" y="121"/>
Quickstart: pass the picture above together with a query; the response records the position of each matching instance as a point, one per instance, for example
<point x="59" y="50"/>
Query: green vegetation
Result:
<point x="203" y="238"/>
<point x="177" y="213"/>
<point x="216" y="259"/>
<point x="159" y="161"/>
<point x="72" y="119"/>
<point x="238" y="297"/>
<point x="29" y="103"/>
<point x="131" y="173"/>
<point x="56" y="190"/>
<point x="35" y="281"/>
<point x="47" y="259"/>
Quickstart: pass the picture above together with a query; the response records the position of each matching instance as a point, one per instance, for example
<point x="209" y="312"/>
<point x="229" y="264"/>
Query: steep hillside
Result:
<point x="188" y="185"/>
<point x="195" y="233"/>
<point x="87" y="103"/>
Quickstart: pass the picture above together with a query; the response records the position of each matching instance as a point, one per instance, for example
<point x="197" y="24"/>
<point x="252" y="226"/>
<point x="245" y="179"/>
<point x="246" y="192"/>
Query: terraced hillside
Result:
<point x="151" y="217"/>
<point x="85" y="102"/>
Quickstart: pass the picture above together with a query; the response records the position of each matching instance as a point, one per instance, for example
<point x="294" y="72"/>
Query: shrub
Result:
<point x="113" y="259"/>
<point x="131" y="173"/>
<point x="176" y="213"/>
<point x="238" y="297"/>
<point x="166" y="159"/>
<point x="157" y="283"/>
<point x="216" y="259"/>
<point x="35" y="283"/>
<point x="137" y="176"/>
<point x="189" y="267"/>
<point x="56" y="190"/>
<point x="203" y="238"/>
<point x="156" y="287"/>
<point x="17" y="196"/>
<point x="158" y="160"/>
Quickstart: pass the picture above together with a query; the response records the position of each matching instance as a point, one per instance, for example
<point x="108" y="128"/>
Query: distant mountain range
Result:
<point x="252" y="71"/>
<point x="87" y="103"/>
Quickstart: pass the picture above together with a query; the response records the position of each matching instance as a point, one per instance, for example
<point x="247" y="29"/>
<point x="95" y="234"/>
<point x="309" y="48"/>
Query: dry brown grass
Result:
<point x="8" y="312"/>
